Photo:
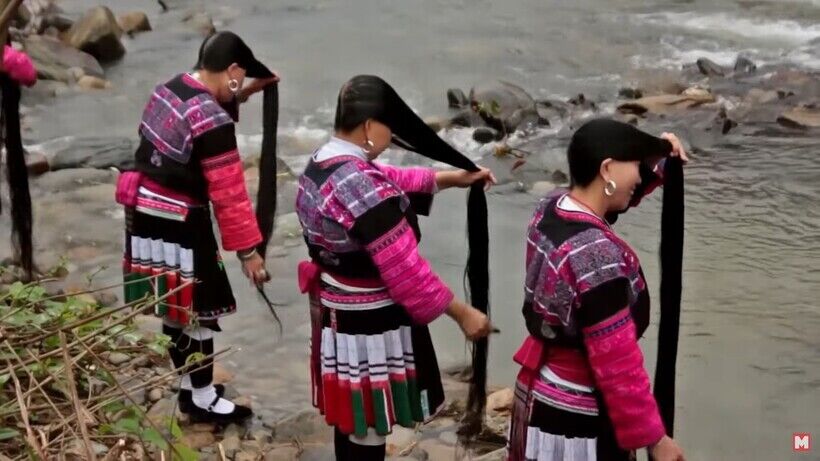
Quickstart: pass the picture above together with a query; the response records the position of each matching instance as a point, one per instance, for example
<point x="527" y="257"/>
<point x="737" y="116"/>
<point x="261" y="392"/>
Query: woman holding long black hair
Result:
<point x="372" y="295"/>
<point x="582" y="392"/>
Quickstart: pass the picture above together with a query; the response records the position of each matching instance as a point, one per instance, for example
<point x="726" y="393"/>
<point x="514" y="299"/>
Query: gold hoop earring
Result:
<point x="610" y="187"/>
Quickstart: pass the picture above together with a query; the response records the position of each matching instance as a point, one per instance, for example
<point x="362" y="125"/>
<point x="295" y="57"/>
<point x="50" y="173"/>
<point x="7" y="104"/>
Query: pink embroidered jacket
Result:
<point x="586" y="304"/>
<point x="359" y="220"/>
<point x="188" y="149"/>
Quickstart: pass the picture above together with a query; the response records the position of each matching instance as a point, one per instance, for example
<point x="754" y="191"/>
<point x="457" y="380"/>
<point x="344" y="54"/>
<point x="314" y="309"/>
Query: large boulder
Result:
<point x="54" y="59"/>
<point x="133" y="22"/>
<point x="98" y="34"/>
<point x="504" y="106"/>
<point x="95" y="152"/>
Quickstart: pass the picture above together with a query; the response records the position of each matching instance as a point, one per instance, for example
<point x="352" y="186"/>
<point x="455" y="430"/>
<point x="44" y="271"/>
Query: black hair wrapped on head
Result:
<point x="604" y="138"/>
<point x="221" y="49"/>
<point x="369" y="97"/>
<point x="21" y="219"/>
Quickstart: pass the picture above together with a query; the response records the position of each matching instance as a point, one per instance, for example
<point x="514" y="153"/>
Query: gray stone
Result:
<point x="53" y="59"/>
<point x="710" y="68"/>
<point x="800" y="117"/>
<point x="456" y="98"/>
<point x="485" y="135"/>
<point x="98" y="34"/>
<point x="95" y="152"/>
<point x="400" y="440"/>
<point x="161" y="411"/>
<point x="105" y="298"/>
<point x="198" y="440"/>
<point x="759" y="96"/>
<point x="666" y="103"/>
<point x="501" y="400"/>
<point x="467" y="118"/>
<point x="231" y="444"/>
<point x="744" y="65"/>
<point x="559" y="177"/>
<point x="200" y="22"/>
<point x="419" y="454"/>
<point x="552" y="109"/>
<point x="262" y="436"/>
<point x="87" y="82"/>
<point x="118" y="358"/>
<point x="630" y="93"/>
<point x="36" y="163"/>
<point x="282" y="454"/>
<point x="246" y="456"/>
<point x="504" y="106"/>
<point x="133" y="22"/>
<point x="154" y="395"/>
<point x="234" y="430"/>
<point x="99" y="449"/>
<point x="308" y="427"/>
<point x="250" y="446"/>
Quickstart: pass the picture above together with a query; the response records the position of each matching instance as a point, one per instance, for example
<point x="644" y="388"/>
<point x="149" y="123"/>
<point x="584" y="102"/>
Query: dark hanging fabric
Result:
<point x="266" y="196"/>
<point x="17" y="173"/>
<point x="371" y="97"/>
<point x="671" y="252"/>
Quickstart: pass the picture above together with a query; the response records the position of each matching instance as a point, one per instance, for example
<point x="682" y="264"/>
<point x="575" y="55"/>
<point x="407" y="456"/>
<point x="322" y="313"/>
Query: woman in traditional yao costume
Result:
<point x="372" y="294"/>
<point x="582" y="392"/>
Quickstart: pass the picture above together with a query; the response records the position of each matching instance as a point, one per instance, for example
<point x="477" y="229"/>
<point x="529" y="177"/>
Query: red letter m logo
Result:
<point x="802" y="442"/>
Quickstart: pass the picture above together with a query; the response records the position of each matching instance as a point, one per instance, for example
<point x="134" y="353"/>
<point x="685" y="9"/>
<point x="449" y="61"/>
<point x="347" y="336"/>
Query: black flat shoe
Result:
<point x="186" y="400"/>
<point x="207" y="415"/>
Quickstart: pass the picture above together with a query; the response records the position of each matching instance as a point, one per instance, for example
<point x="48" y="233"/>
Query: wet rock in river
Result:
<point x="710" y="68"/>
<point x="800" y="117"/>
<point x="744" y="66"/>
<point x="95" y="152"/>
<point x="53" y="59"/>
<point x="98" y="34"/>
<point x="504" y="106"/>
<point x="133" y="22"/>
<point x="456" y="99"/>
